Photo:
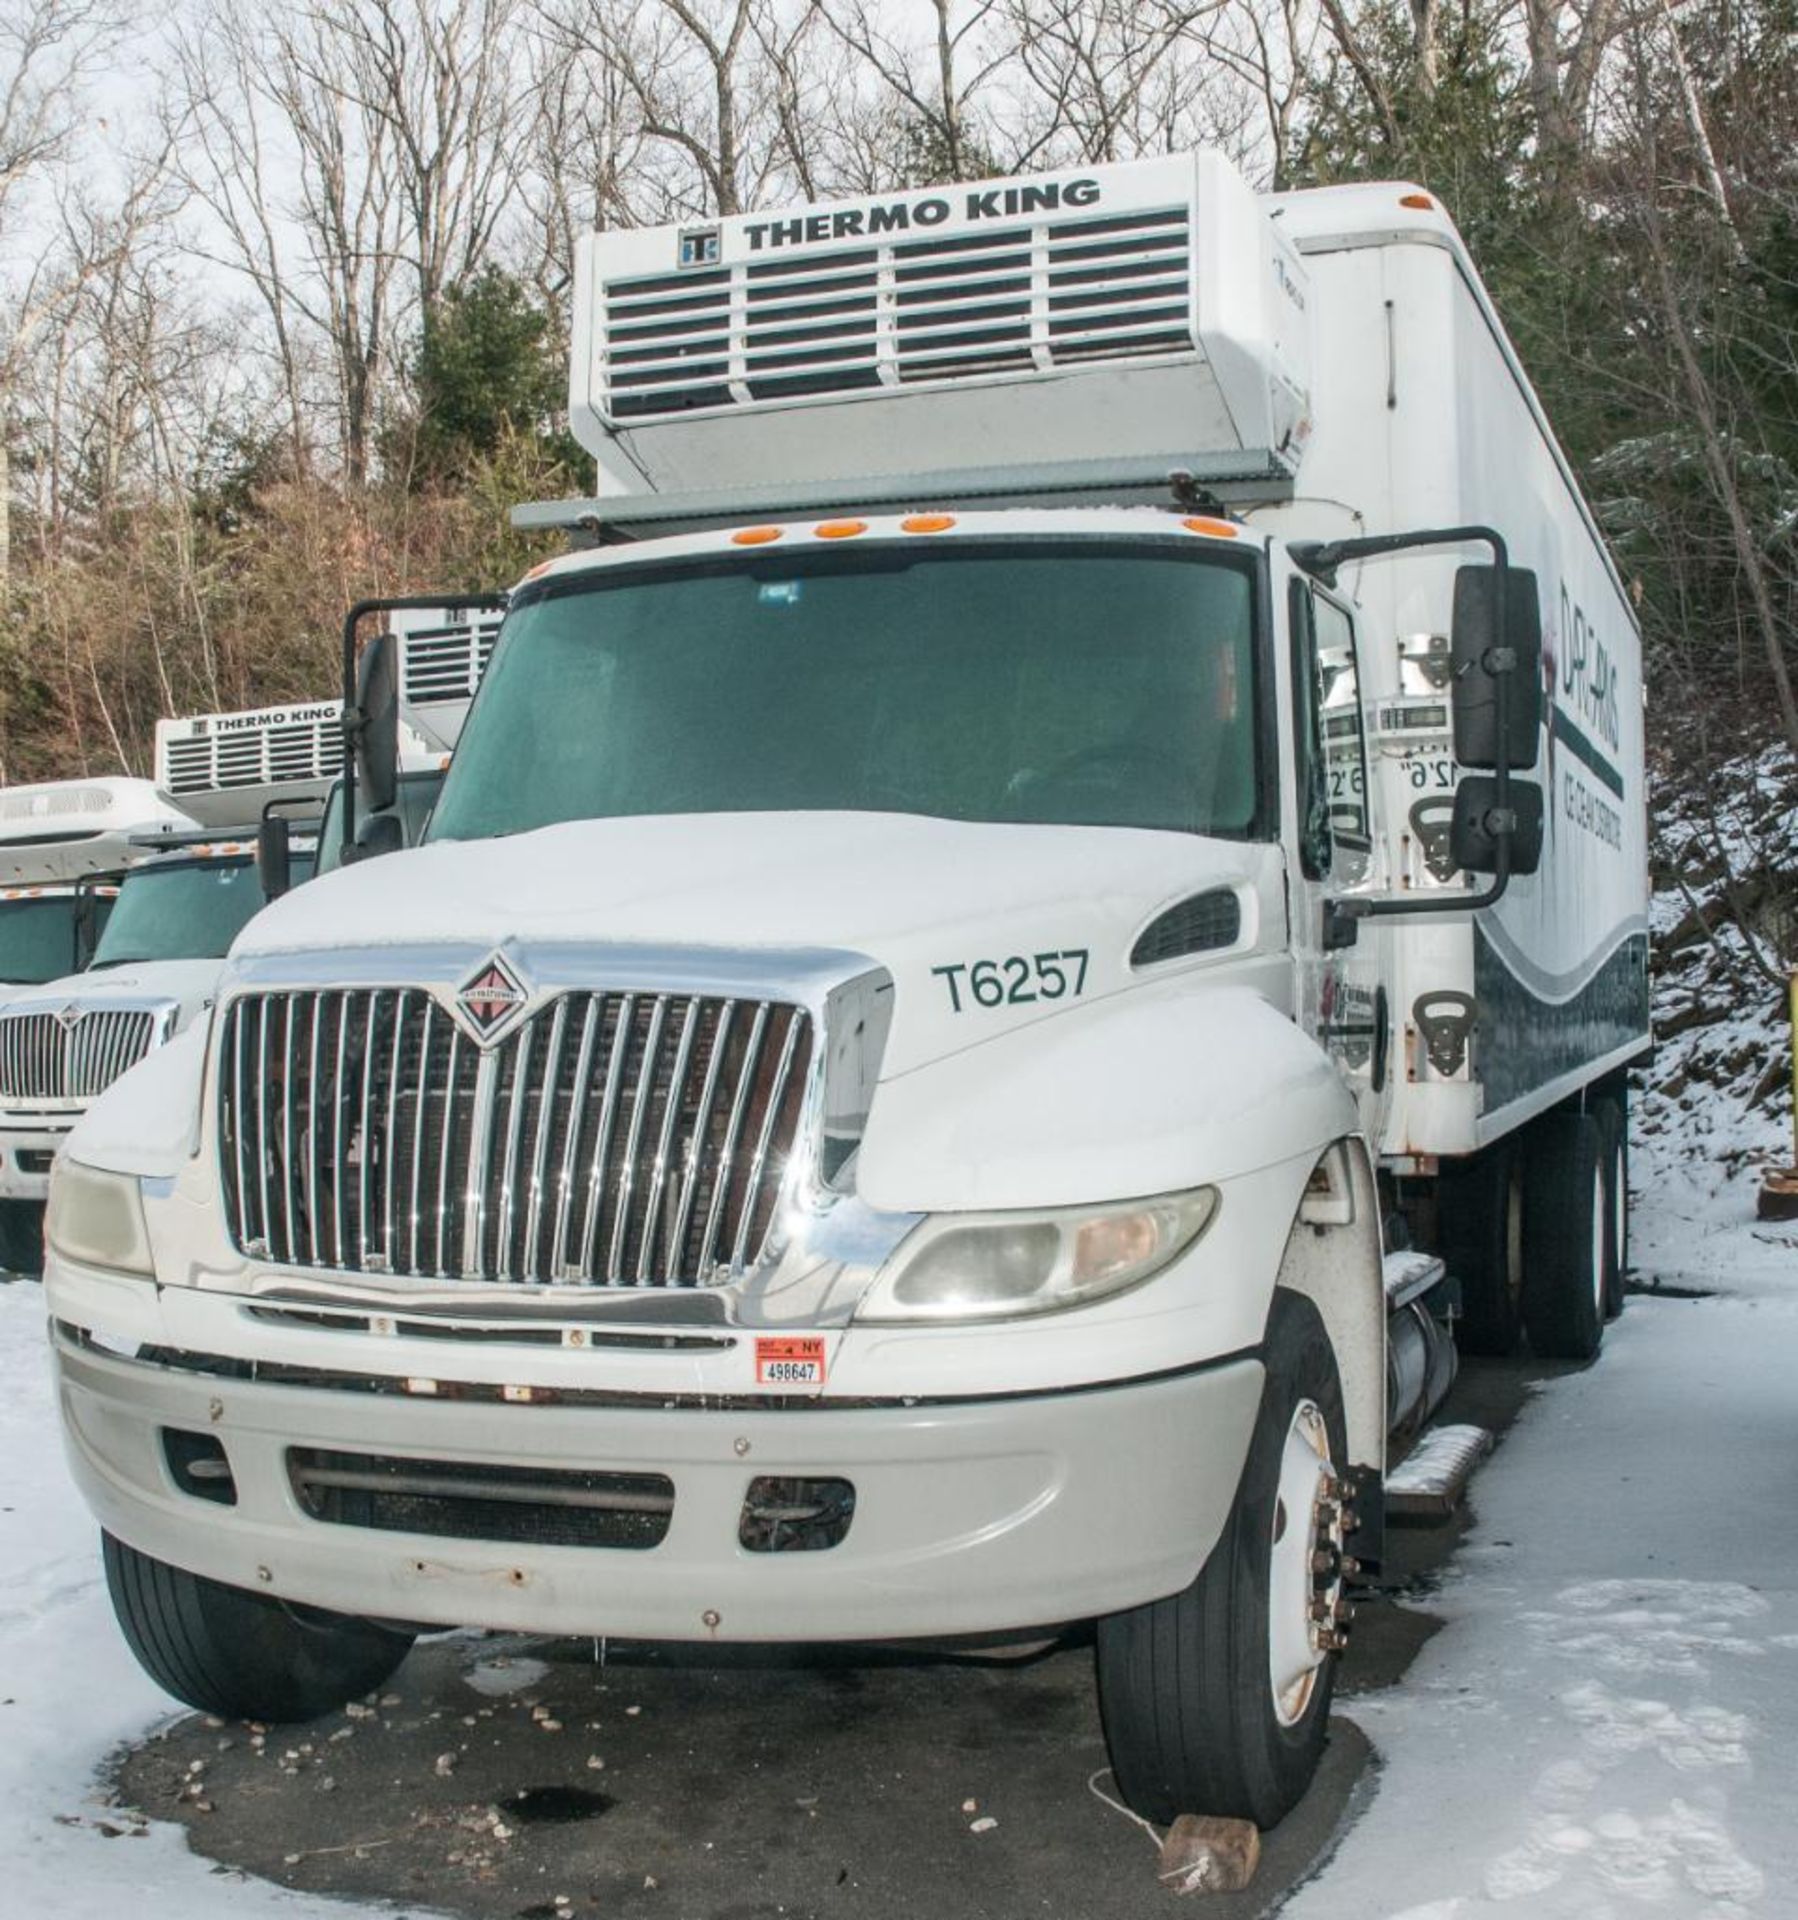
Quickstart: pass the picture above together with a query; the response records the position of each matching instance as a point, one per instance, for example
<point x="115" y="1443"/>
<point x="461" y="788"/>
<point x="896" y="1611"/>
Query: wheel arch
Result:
<point x="1333" y="1258"/>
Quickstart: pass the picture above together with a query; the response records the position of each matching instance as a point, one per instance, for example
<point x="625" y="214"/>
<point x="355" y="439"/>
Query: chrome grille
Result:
<point x="619" y="1139"/>
<point x="41" y="1058"/>
<point x="1010" y="299"/>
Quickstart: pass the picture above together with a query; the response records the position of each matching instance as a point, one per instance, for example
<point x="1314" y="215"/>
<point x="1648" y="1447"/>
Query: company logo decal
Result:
<point x="699" y="247"/>
<point x="490" y="999"/>
<point x="70" y="1017"/>
<point x="958" y="207"/>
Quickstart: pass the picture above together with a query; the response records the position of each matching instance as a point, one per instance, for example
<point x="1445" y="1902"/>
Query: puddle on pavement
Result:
<point x="556" y="1806"/>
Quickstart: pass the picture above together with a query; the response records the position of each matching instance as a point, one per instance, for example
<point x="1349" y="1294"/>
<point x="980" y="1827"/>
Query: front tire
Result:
<point x="240" y="1655"/>
<point x="1217" y="1699"/>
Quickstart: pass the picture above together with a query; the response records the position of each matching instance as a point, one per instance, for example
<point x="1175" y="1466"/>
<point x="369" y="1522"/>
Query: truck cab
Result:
<point x="63" y="847"/>
<point x="985" y="929"/>
<point x="156" y="935"/>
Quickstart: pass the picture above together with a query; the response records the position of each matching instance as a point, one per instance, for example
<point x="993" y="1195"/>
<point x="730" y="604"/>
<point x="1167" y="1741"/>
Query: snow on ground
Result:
<point x="1605" y="1725"/>
<point x="70" y="1692"/>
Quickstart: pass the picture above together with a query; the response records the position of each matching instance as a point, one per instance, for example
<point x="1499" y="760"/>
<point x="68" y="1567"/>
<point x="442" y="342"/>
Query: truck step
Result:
<point x="1428" y="1483"/>
<point x="1408" y="1274"/>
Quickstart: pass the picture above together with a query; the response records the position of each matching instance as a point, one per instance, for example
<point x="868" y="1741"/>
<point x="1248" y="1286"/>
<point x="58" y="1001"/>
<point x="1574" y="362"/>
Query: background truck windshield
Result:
<point x="1090" y="684"/>
<point x="192" y="911"/>
<point x="37" y="940"/>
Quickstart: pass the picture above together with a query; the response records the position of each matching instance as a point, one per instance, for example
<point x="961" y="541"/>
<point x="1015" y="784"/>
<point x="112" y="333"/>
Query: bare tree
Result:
<point x="699" y="90"/>
<point x="1697" y="360"/>
<point x="47" y="50"/>
<point x="939" y="82"/>
<point x="444" y="85"/>
<point x="1268" y="48"/>
<point x="307" y="180"/>
<point x="231" y="154"/>
<point x="581" y="146"/>
<point x="1109" y="76"/>
<point x="1567" y="41"/>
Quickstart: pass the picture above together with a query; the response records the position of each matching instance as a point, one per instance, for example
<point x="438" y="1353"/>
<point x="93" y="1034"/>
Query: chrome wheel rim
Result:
<point x="1304" y="1588"/>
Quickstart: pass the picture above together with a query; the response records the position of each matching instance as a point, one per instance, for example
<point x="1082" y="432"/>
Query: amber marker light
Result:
<point x="755" y="536"/>
<point x="540" y="569"/>
<point x="839" y="529"/>
<point x="1218" y="529"/>
<point x="1421" y="201"/>
<point x="927" y="523"/>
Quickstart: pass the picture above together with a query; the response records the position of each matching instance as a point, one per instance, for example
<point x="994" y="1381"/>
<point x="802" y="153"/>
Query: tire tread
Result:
<point x="238" y="1654"/>
<point x="1561" y="1161"/>
<point x="1183" y="1689"/>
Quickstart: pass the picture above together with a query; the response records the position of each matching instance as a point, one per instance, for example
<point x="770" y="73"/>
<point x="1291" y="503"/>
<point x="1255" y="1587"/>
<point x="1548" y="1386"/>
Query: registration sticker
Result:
<point x="789" y="1360"/>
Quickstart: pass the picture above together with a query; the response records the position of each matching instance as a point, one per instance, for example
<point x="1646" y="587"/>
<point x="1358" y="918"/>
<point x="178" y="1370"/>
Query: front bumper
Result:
<point x="971" y="1516"/>
<point x="28" y="1143"/>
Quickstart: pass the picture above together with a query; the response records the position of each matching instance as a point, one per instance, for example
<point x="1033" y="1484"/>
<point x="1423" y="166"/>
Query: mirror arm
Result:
<point x="354" y="719"/>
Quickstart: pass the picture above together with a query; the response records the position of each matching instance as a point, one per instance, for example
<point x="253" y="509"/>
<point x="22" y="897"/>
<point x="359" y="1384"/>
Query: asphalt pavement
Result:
<point x="502" y="1777"/>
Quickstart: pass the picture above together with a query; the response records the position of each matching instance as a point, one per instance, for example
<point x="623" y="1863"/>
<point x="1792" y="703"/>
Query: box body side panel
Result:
<point x="1422" y="421"/>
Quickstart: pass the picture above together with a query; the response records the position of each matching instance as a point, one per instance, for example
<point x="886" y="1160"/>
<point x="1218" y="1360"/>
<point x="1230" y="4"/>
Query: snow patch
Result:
<point x="501" y="1675"/>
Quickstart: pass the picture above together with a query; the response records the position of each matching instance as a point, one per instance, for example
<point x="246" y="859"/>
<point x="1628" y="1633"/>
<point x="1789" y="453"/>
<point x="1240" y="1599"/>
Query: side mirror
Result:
<point x="274" y="855"/>
<point x="375" y="725"/>
<point x="1484" y="644"/>
<point x="1472" y="838"/>
<point x="379" y="833"/>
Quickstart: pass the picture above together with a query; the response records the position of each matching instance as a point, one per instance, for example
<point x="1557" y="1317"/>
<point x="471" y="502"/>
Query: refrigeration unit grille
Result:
<point x="611" y="1139"/>
<point x="306" y="747"/>
<point x="441" y="663"/>
<point x="901" y="313"/>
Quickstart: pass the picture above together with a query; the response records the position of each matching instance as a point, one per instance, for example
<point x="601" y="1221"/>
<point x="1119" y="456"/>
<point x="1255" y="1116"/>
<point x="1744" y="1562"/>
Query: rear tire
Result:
<point x="1479" y="1233"/>
<point x="1613" y="1126"/>
<point x="1565" y="1236"/>
<point x="1217" y="1700"/>
<point x="243" y="1656"/>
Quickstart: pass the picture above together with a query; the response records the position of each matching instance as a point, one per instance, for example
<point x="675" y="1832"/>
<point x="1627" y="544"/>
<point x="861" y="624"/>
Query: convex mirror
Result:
<point x="1479" y="641"/>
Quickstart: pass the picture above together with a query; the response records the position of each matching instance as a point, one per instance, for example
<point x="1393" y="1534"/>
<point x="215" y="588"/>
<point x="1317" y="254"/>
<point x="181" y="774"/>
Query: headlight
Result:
<point x="992" y="1266"/>
<point x="97" y="1219"/>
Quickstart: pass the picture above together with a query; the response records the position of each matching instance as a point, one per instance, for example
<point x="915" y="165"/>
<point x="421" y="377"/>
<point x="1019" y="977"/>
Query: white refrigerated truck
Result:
<point x="63" y="847"/>
<point x="180" y="848"/>
<point x="967" y="1009"/>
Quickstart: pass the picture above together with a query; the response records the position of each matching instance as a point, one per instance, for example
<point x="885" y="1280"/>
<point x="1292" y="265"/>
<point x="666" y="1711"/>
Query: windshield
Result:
<point x="192" y="911"/>
<point x="1092" y="684"/>
<point x="37" y="940"/>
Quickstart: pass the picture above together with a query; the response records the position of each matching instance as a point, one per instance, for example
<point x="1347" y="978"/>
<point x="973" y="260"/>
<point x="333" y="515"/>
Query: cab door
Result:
<point x="1342" y="970"/>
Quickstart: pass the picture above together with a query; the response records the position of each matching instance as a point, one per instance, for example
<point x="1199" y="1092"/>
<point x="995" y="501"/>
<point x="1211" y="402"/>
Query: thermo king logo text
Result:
<point x="903" y="216"/>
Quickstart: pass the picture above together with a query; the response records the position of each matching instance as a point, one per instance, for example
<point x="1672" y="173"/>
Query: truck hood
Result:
<point x="190" y="983"/>
<point x="915" y="895"/>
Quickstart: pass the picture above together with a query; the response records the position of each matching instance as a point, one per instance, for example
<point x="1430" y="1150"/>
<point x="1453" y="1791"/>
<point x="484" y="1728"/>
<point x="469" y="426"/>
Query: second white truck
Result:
<point x="1057" y="894"/>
